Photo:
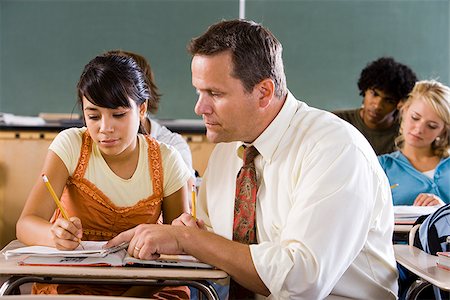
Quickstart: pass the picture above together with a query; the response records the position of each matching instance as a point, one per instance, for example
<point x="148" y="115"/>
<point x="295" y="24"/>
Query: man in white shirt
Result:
<point x="324" y="215"/>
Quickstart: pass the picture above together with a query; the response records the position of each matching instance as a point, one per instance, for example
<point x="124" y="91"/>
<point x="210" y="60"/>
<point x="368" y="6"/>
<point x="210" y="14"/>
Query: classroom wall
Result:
<point x="44" y="44"/>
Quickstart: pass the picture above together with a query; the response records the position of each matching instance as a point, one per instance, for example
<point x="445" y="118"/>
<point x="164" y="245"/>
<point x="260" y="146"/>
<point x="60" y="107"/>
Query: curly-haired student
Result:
<point x="384" y="84"/>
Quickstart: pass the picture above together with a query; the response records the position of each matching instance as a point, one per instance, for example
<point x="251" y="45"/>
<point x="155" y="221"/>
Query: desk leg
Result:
<point x="12" y="285"/>
<point x="14" y="282"/>
<point x="416" y="288"/>
<point x="205" y="288"/>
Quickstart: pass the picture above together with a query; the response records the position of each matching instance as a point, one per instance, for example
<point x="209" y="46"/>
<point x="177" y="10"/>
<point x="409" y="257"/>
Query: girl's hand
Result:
<point x="188" y="220"/>
<point x="427" y="199"/>
<point x="67" y="234"/>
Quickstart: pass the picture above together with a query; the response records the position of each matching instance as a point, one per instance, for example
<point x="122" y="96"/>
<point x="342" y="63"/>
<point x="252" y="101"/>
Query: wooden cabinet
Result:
<point x="22" y="156"/>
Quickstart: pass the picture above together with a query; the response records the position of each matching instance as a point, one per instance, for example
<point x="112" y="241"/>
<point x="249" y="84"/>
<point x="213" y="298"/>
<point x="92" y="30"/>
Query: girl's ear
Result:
<point x="143" y="110"/>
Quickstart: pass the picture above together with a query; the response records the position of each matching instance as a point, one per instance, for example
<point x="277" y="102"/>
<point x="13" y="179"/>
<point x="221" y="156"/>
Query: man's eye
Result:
<point x="93" y="117"/>
<point x="391" y="101"/>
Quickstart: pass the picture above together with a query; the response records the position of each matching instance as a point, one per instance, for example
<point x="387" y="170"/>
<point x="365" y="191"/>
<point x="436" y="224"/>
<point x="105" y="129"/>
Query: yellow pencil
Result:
<point x="193" y="208"/>
<point x="58" y="203"/>
<point x="394" y="186"/>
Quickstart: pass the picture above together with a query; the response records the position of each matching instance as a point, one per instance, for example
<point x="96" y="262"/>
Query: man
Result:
<point x="384" y="84"/>
<point x="324" y="216"/>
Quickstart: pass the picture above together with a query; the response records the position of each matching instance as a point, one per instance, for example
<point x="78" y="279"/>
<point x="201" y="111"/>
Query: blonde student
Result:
<point x="108" y="175"/>
<point x="421" y="165"/>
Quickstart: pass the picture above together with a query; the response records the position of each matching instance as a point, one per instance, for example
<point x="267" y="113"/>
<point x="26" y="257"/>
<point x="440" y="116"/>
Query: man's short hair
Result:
<point x="255" y="51"/>
<point x="394" y="79"/>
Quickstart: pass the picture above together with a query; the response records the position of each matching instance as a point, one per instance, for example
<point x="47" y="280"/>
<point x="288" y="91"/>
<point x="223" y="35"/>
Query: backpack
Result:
<point x="433" y="231"/>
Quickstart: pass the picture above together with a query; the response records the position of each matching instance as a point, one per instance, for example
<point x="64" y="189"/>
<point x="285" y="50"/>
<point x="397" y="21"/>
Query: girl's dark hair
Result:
<point x="154" y="97"/>
<point x="111" y="81"/>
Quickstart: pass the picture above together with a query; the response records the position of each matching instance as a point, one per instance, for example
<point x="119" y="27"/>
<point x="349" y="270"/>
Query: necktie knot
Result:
<point x="249" y="155"/>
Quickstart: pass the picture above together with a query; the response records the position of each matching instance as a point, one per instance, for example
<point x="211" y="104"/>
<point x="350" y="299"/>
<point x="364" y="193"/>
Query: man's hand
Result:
<point x="187" y="220"/>
<point x="148" y="241"/>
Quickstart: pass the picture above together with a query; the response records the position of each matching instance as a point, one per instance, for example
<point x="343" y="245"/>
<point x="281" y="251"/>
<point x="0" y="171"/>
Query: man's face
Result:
<point x="379" y="109"/>
<point x="229" y="112"/>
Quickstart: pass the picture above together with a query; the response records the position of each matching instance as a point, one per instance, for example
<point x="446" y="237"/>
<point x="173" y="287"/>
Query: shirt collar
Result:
<point x="269" y="139"/>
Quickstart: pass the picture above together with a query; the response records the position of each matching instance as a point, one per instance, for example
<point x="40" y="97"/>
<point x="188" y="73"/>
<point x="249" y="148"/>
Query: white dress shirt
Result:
<point x="324" y="210"/>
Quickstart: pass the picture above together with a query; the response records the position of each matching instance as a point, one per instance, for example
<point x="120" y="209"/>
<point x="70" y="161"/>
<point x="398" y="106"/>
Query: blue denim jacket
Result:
<point x="412" y="182"/>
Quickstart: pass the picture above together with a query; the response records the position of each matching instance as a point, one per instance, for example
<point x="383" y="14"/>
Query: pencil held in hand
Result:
<point x="194" y="200"/>
<point x="56" y="199"/>
<point x="52" y="192"/>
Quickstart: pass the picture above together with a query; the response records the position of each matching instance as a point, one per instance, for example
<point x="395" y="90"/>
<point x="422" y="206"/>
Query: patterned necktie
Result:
<point x="244" y="225"/>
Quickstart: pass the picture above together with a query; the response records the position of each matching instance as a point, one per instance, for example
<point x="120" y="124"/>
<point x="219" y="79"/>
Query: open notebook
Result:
<point x="94" y="255"/>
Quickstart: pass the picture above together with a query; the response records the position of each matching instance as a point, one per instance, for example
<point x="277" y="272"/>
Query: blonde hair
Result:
<point x="437" y="95"/>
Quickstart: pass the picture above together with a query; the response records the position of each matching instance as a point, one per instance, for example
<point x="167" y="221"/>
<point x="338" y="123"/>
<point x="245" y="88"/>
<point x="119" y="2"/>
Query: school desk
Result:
<point x="423" y="265"/>
<point x="18" y="275"/>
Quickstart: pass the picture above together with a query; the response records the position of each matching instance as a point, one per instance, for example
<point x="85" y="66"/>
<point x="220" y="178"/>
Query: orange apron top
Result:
<point x="102" y="219"/>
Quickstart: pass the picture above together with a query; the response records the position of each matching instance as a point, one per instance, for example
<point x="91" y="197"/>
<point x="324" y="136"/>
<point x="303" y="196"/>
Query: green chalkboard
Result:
<point x="44" y="45"/>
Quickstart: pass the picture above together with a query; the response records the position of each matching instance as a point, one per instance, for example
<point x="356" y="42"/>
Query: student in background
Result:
<point x="384" y="84"/>
<point x="321" y="220"/>
<point x="421" y="166"/>
<point x="152" y="127"/>
<point x="109" y="176"/>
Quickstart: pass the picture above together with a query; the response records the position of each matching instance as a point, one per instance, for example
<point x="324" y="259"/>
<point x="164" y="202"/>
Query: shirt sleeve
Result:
<point x="333" y="208"/>
<point x="176" y="173"/>
<point x="67" y="145"/>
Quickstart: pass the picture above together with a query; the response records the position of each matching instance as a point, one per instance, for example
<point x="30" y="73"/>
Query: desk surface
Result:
<point x="423" y="265"/>
<point x="10" y="268"/>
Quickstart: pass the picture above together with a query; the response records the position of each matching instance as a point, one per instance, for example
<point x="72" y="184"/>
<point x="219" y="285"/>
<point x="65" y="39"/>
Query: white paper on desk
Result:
<point x="111" y="260"/>
<point x="166" y="260"/>
<point x="11" y="119"/>
<point x="91" y="249"/>
<point x="411" y="211"/>
<point x="120" y="258"/>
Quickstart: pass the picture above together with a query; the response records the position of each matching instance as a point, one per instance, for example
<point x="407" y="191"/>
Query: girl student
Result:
<point x="108" y="175"/>
<point x="421" y="166"/>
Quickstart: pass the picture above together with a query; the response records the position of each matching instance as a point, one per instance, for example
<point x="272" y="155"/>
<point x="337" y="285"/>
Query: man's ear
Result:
<point x="266" y="91"/>
<point x="400" y="103"/>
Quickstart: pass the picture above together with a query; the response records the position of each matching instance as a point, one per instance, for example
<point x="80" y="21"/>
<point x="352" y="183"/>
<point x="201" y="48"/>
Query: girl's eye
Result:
<point x="415" y="118"/>
<point x="93" y="117"/>
<point x="119" y="115"/>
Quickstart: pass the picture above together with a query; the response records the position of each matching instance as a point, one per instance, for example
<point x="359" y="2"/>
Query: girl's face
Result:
<point x="113" y="130"/>
<point x="421" y="125"/>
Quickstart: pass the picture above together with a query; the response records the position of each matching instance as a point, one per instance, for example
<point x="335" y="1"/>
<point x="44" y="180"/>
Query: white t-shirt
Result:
<point x="324" y="210"/>
<point x="122" y="192"/>
<point x="162" y="134"/>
